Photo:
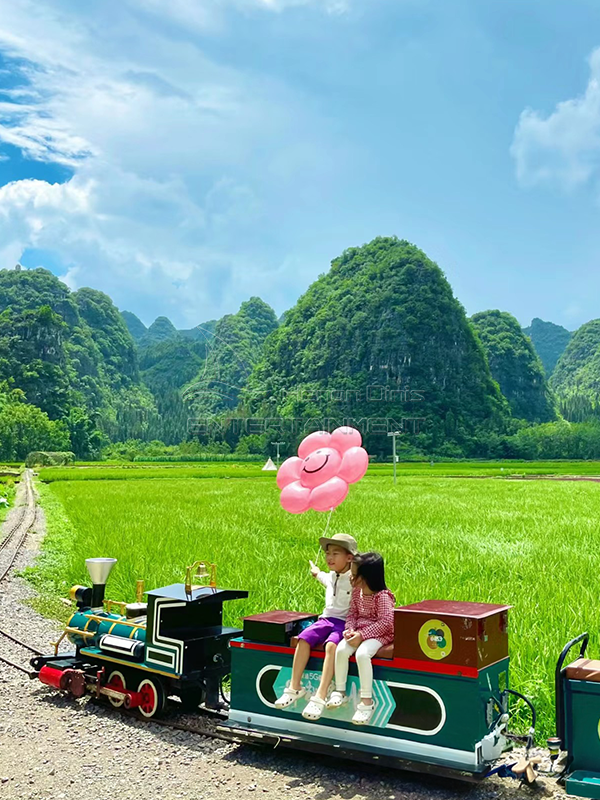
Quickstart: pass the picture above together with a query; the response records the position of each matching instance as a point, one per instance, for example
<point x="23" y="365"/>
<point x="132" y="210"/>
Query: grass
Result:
<point x="137" y="472"/>
<point x="531" y="544"/>
<point x="94" y="471"/>
<point x="8" y="490"/>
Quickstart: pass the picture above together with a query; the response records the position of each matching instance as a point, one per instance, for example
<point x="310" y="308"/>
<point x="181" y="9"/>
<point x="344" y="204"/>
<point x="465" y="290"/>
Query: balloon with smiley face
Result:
<point x="318" y="477"/>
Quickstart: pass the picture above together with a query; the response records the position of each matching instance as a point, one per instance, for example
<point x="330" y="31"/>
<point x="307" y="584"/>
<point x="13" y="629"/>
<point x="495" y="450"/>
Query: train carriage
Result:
<point x="439" y="690"/>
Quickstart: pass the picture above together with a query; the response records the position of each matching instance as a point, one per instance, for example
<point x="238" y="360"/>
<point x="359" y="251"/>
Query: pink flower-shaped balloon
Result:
<point x="319" y="475"/>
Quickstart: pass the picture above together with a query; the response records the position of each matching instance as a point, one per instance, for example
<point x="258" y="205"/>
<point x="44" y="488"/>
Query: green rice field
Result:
<point x="95" y="471"/>
<point x="532" y="544"/>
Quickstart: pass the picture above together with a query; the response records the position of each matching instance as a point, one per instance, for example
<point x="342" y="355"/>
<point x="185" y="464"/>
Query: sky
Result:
<point x="182" y="157"/>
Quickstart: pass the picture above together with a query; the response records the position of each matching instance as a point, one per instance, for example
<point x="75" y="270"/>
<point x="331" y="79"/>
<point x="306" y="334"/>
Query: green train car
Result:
<point x="440" y="690"/>
<point x="577" y="697"/>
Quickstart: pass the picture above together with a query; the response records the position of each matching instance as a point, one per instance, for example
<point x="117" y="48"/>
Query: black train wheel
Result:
<point x="191" y="698"/>
<point x="153" y="697"/>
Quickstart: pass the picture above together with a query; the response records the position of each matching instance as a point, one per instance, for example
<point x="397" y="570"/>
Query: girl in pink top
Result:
<point x="369" y="626"/>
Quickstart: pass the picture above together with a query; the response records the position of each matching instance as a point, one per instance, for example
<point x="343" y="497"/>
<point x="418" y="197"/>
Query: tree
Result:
<point x="24" y="428"/>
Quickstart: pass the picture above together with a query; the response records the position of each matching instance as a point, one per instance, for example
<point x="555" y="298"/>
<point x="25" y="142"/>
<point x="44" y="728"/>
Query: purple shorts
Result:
<point x="325" y="629"/>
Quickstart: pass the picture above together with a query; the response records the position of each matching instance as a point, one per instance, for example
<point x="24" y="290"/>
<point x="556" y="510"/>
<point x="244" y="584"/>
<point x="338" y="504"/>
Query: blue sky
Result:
<point x="184" y="156"/>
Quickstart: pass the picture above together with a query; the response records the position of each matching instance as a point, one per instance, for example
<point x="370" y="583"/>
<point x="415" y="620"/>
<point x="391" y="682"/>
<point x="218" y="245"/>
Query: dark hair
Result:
<point x="370" y="567"/>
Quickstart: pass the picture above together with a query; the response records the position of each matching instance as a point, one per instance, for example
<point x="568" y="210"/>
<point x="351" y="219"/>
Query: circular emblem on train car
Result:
<point x="435" y="639"/>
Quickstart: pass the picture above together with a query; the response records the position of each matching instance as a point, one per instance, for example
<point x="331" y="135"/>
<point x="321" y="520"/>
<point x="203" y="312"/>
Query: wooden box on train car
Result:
<point x="446" y="632"/>
<point x="275" y="627"/>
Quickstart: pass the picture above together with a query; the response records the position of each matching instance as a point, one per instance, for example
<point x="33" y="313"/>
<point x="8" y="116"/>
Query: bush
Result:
<point x="40" y="458"/>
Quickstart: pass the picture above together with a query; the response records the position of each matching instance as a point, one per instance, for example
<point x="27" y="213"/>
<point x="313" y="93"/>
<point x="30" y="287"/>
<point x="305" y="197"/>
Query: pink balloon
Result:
<point x="295" y="498"/>
<point x="329" y="494"/>
<point x="320" y="466"/>
<point x="344" y="438"/>
<point x="312" y="442"/>
<point x="319" y="475"/>
<point x="289" y="471"/>
<point x="354" y="464"/>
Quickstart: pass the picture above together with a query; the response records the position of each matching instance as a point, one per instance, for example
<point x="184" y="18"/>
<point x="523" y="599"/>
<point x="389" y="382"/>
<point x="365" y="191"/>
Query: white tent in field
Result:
<point x="269" y="466"/>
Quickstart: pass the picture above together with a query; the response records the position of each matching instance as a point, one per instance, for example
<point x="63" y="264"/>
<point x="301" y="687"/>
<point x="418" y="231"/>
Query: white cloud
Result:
<point x="330" y="6"/>
<point x="563" y="147"/>
<point x="169" y="149"/>
<point x="573" y="311"/>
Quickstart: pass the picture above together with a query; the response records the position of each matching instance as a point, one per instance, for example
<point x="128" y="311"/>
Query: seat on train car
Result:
<point x="584" y="669"/>
<point x="384" y="652"/>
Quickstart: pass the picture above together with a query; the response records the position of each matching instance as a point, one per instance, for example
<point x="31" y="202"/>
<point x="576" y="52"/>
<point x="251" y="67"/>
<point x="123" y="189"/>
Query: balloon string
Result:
<point x="328" y="521"/>
<point x="324" y="534"/>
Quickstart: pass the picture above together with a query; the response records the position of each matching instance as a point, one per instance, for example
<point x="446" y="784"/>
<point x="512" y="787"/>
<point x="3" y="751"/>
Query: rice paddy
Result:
<point x="531" y="544"/>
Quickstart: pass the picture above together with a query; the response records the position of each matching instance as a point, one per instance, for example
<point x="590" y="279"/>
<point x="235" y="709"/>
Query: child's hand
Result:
<point x="355" y="640"/>
<point x="348" y="634"/>
<point x="314" y="570"/>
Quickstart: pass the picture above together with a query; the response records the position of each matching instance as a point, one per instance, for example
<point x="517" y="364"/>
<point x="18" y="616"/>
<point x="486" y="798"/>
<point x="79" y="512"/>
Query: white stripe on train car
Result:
<point x="174" y="647"/>
<point x="427" y="690"/>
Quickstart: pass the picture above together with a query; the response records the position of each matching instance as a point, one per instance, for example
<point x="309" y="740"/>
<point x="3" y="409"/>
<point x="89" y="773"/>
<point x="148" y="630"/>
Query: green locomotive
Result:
<point x="175" y="644"/>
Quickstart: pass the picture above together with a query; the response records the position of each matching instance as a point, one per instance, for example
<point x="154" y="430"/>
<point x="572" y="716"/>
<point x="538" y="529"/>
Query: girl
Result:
<point x="369" y="626"/>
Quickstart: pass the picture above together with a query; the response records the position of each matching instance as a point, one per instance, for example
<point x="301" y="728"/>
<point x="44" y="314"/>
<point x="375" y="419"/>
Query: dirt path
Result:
<point x="55" y="748"/>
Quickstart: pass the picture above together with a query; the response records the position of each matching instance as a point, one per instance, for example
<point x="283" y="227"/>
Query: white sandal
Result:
<point x="314" y="709"/>
<point x="289" y="697"/>
<point x="363" y="714"/>
<point x="337" y="699"/>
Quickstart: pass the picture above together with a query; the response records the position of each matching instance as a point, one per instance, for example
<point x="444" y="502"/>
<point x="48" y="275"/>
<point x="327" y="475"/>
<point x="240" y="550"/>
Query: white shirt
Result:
<point x="338" y="591"/>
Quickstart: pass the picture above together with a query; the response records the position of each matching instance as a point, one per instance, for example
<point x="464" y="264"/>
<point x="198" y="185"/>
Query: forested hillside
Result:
<point x="135" y="326"/>
<point x="576" y="378"/>
<point x="515" y="365"/>
<point x="166" y="367"/>
<point x="379" y="341"/>
<point x="549" y="341"/>
<point x="381" y="336"/>
<point x="162" y="330"/>
<point x="233" y="351"/>
<point x="72" y="357"/>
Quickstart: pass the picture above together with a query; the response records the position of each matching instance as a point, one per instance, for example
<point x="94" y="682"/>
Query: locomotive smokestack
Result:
<point x="99" y="569"/>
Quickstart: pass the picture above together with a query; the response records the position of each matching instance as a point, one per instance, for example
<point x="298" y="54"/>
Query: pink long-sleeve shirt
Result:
<point x="372" y="615"/>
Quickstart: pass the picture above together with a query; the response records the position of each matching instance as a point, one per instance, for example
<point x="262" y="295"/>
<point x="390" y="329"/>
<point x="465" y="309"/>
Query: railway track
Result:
<point x="10" y="547"/>
<point x="20" y="527"/>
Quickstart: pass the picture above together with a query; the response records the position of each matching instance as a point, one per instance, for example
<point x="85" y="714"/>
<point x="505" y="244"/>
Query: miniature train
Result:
<point x="441" y="689"/>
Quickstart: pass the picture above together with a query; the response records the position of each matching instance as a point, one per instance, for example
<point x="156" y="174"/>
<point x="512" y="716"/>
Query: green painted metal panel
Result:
<point x="582" y="701"/>
<point x="407" y="699"/>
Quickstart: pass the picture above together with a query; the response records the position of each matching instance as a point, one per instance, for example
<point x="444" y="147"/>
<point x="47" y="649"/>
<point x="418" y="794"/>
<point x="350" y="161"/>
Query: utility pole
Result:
<point x="277" y="444"/>
<point x="393" y="434"/>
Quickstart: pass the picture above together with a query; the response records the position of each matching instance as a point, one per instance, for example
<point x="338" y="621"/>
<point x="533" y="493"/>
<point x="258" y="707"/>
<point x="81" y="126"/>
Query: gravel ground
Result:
<point x="56" y="748"/>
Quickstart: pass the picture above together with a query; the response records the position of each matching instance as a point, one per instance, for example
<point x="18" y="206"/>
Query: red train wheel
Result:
<point x="153" y="697"/>
<point x="117" y="681"/>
